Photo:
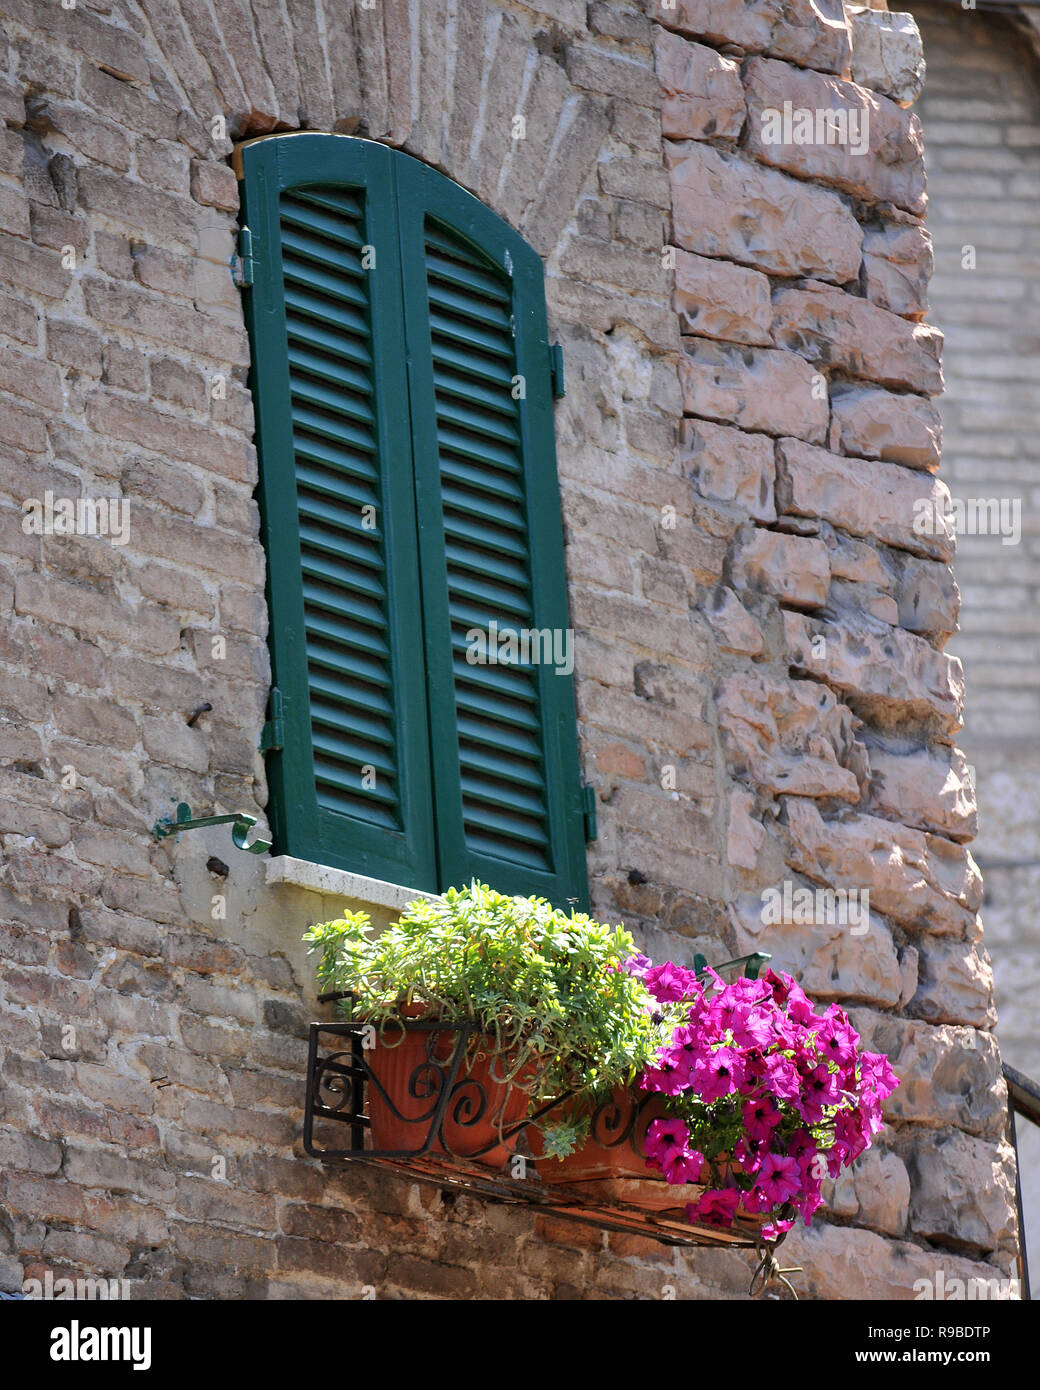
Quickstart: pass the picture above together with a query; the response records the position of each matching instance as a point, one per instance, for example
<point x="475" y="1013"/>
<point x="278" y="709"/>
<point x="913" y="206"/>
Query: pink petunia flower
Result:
<point x="716" y="1208"/>
<point x="667" y="1149"/>
<point x="761" y="1117"/>
<point x="669" y="983"/>
<point x="717" y="1074"/>
<point x="779" y="1178"/>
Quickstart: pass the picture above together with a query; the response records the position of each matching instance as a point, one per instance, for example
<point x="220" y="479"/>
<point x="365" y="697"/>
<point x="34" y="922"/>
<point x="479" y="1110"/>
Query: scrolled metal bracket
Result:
<point x="240" y="823"/>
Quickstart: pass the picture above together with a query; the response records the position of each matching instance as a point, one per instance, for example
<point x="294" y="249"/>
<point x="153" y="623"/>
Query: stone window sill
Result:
<point x="340" y="883"/>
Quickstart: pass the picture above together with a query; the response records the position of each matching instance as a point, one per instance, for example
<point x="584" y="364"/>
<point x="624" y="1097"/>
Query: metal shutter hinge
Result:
<point x="556" y="370"/>
<point x="273" y="734"/>
<point x="242" y="263"/>
<point x="588" y="796"/>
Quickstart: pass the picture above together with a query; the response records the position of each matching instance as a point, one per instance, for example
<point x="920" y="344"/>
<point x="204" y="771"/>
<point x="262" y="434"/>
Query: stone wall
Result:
<point x="981" y="116"/>
<point x="762" y="687"/>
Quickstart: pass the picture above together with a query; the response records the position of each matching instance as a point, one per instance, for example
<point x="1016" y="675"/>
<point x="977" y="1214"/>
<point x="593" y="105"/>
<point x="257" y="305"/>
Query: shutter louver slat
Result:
<point x="501" y="755"/>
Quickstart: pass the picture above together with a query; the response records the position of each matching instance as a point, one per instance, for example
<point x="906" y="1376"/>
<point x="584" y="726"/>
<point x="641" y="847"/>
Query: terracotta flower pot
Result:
<point x="610" y="1166"/>
<point x="408" y="1070"/>
<point x="611" y="1163"/>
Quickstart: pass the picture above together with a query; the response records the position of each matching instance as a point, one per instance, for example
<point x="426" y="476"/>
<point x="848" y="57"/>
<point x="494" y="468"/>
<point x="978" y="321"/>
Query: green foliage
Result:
<point x="546" y="986"/>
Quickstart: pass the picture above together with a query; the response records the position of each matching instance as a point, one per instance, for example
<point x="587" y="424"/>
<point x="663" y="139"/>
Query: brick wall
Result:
<point x="743" y="440"/>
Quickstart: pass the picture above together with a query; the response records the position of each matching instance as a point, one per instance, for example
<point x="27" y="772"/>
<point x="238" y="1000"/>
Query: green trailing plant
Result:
<point x="554" y="1006"/>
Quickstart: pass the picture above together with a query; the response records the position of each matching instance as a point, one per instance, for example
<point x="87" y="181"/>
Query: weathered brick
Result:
<point x="157" y="217"/>
<point x="199" y="953"/>
<point x="33" y="268"/>
<point x="239" y="1123"/>
<point x="23" y="1151"/>
<point x="87" y="610"/>
<point x="156" y="481"/>
<point x="113" y="47"/>
<point x="153" y="316"/>
<point x="124" y="368"/>
<point x="175" y="381"/>
<point x="74" y="346"/>
<point x="575" y="156"/>
<point x="14" y="213"/>
<point x="173" y="538"/>
<point x="170" y="434"/>
<point x="630" y="78"/>
<point x="206" y="1200"/>
<point x="19" y="319"/>
<point x="95" y="1167"/>
<point x="21" y="429"/>
<point x="164" y="271"/>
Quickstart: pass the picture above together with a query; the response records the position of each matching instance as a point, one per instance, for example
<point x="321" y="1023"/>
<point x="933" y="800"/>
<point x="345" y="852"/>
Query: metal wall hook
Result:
<point x="241" y="824"/>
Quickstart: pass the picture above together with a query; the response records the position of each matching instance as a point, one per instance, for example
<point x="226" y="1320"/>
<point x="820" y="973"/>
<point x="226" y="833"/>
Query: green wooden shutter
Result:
<point x="392" y="387"/>
<point x="351" y="786"/>
<point x="505" y="762"/>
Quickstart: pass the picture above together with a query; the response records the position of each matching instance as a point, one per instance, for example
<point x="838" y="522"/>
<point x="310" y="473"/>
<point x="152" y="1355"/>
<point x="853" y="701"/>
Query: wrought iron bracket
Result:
<point x="752" y="964"/>
<point x="241" y="826"/>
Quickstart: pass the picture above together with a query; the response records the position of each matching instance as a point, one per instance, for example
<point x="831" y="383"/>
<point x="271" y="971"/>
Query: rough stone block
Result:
<point x="876" y="424"/>
<point x="924" y="883"/>
<point x="819" y="127"/>
<point x="788" y="736"/>
<point x="836" y="329"/>
<point x="758" y="389"/>
<point x="730" y="465"/>
<point x="702" y="92"/>
<point x="879" y="500"/>
<point x="725" y="205"/>
<point x="794" y="569"/>
<point x="963" y="1189"/>
<point x="813" y="33"/>
<point x="928" y="788"/>
<point x="886" y="674"/>
<point x="717" y="300"/>
<point x="887" y="53"/>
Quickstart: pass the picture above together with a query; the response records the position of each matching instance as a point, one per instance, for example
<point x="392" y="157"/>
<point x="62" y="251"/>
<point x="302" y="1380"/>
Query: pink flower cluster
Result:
<point x="766" y="1097"/>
